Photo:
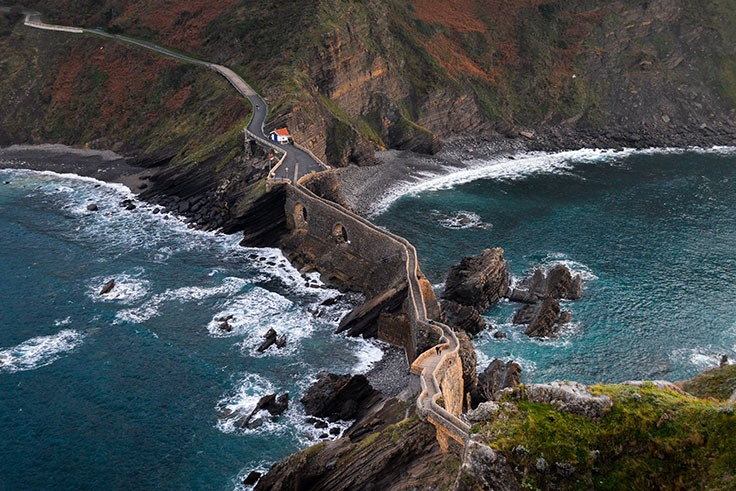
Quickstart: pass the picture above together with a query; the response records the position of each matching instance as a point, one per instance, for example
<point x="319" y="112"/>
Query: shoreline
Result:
<point x="104" y="165"/>
<point x="371" y="190"/>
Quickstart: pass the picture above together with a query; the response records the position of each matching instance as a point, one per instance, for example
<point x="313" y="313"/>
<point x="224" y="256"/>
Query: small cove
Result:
<point x="652" y="232"/>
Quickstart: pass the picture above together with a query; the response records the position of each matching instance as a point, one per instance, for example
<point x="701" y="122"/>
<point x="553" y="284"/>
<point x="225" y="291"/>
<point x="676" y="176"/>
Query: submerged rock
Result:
<point x="92" y="207"/>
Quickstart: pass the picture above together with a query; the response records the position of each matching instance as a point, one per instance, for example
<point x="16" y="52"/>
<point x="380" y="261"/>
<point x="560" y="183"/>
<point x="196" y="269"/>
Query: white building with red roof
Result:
<point x="280" y="135"/>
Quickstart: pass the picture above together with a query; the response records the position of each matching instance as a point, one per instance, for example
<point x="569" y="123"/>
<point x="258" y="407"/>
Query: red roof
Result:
<point x="282" y="132"/>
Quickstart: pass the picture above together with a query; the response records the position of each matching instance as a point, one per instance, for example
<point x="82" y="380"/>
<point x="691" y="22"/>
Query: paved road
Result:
<point x="297" y="163"/>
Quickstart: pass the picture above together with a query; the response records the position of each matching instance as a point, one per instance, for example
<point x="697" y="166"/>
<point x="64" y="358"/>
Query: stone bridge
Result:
<point x="399" y="299"/>
<point x="360" y="255"/>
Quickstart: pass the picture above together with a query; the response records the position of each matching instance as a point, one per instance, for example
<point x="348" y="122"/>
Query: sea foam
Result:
<point x="39" y="351"/>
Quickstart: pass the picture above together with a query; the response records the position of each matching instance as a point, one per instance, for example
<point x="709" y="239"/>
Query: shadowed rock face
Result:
<point x="339" y="396"/>
<point x="544" y="320"/>
<point x="496" y="377"/>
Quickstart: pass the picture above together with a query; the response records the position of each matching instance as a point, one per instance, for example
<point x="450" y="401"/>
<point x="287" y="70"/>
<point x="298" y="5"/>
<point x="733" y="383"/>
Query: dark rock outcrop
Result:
<point x="404" y="455"/>
<point x="557" y="283"/>
<point x="107" y="287"/>
<point x="496" y="377"/>
<point x="544" y="320"/>
<point x="469" y="363"/>
<point x="342" y="397"/>
<point x="478" y="281"/>
<point x="462" y="317"/>
<point x="273" y="403"/>
<point x="272" y="338"/>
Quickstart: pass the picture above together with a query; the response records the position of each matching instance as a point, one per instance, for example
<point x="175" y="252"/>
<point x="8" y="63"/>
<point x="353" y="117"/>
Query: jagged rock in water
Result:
<point x="107" y="287"/>
<point x="544" y="320"/>
<point x="462" y="317"/>
<point x="272" y="403"/>
<point x="252" y="478"/>
<point x="339" y="396"/>
<point x="271" y="338"/>
<point x="496" y="377"/>
<point x="483" y="468"/>
<point x="572" y="397"/>
<point x="558" y="283"/>
<point x="478" y="281"/>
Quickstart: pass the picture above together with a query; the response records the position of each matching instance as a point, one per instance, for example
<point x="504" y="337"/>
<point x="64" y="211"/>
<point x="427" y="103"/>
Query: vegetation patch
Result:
<point x="651" y="439"/>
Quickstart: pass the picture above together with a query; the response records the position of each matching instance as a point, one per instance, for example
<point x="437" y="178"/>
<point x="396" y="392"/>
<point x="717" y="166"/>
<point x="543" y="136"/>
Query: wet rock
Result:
<point x="499" y="335"/>
<point x="92" y="207"/>
<point x="272" y="403"/>
<point x="272" y="338"/>
<point x="107" y="287"/>
<point x="478" y="281"/>
<point x="496" y="377"/>
<point x="557" y="283"/>
<point x="252" y="478"/>
<point x="546" y="321"/>
<point x="338" y="397"/>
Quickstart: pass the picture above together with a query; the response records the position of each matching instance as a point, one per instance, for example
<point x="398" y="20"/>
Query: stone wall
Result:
<point x="350" y="253"/>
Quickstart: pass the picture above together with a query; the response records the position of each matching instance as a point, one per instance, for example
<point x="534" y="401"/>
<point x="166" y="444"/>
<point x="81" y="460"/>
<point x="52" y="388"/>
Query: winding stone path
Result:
<point x="295" y="163"/>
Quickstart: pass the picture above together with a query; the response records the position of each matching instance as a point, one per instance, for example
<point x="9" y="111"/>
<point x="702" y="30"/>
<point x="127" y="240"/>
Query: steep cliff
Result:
<point x="351" y="77"/>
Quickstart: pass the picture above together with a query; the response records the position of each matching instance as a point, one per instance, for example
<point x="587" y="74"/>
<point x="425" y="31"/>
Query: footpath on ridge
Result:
<point x="295" y="163"/>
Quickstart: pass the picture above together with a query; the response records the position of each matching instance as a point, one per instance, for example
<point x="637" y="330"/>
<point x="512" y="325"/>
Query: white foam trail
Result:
<point x="150" y="308"/>
<point x="460" y="220"/>
<point x="520" y="166"/>
<point x="575" y="267"/>
<point x="702" y="358"/>
<point x="39" y="351"/>
<point x="253" y="311"/>
<point x="368" y="352"/>
<point x="128" y="288"/>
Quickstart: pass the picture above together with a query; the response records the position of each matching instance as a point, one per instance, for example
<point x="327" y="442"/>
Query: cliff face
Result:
<point x="352" y="77"/>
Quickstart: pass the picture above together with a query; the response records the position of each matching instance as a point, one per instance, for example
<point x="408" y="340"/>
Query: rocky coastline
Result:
<point x="389" y="376"/>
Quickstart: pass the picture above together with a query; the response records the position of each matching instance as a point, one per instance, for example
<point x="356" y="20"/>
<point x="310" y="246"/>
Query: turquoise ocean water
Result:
<point x="653" y="234"/>
<point x="124" y="391"/>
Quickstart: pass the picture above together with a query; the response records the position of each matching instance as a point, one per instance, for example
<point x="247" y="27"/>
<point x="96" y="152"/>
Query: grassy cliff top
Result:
<point x="650" y="439"/>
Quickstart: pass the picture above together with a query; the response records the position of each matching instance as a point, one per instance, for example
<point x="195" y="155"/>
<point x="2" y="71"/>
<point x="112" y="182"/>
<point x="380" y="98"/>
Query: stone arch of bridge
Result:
<point x="300" y="216"/>
<point x="340" y="234"/>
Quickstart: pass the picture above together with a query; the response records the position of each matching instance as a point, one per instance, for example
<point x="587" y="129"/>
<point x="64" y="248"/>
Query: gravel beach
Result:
<point x="104" y="165"/>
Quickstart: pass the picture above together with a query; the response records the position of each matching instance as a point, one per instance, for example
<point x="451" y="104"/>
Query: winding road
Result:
<point x="298" y="162"/>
